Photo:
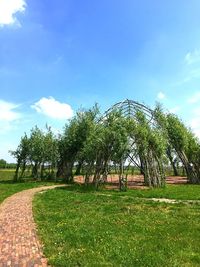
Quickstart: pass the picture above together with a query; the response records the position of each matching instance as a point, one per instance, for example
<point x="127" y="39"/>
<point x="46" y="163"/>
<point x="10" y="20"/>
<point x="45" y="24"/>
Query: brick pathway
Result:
<point x="19" y="245"/>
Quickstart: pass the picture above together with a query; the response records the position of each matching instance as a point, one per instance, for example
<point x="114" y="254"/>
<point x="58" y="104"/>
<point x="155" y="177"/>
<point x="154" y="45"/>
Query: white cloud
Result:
<point x="194" y="98"/>
<point x="193" y="74"/>
<point x="196" y="111"/>
<point x="193" y="57"/>
<point x="195" y="126"/>
<point x="174" y="109"/>
<point x="53" y="108"/>
<point x="5" y="148"/>
<point x="8" y="116"/>
<point x="161" y="95"/>
<point x="7" y="112"/>
<point x="195" y="121"/>
<point x="8" y="10"/>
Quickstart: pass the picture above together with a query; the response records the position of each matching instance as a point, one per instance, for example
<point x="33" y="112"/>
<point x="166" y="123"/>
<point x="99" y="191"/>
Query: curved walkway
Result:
<point x="19" y="244"/>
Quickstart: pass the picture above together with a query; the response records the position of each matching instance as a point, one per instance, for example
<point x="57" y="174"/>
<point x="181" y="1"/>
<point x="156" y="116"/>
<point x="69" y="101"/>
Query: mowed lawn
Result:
<point x="8" y="188"/>
<point x="85" y="228"/>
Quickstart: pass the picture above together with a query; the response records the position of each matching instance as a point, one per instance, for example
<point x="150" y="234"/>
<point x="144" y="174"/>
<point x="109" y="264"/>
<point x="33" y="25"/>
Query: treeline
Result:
<point x="5" y="165"/>
<point x="93" y="144"/>
<point x="37" y="154"/>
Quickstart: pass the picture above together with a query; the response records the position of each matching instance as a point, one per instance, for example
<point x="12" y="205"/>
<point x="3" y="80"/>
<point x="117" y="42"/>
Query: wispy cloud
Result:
<point x="195" y="126"/>
<point x="5" y="147"/>
<point x="188" y="76"/>
<point x="8" y="116"/>
<point x="7" y="111"/>
<point x="191" y="69"/>
<point x="8" y="10"/>
<point x="193" y="74"/>
<point x="161" y="95"/>
<point x="195" y="121"/>
<point x="174" y="109"/>
<point x="53" y="108"/>
<point x="192" y="57"/>
<point x="194" y="98"/>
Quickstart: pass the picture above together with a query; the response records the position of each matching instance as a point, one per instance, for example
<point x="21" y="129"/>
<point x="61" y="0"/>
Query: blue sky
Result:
<point x="58" y="56"/>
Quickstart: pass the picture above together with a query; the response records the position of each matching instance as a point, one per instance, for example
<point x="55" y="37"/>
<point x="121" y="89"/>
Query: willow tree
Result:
<point x="149" y="146"/>
<point x="50" y="154"/>
<point x="113" y="145"/>
<point x="107" y="143"/>
<point x="183" y="142"/>
<point x="73" y="140"/>
<point x="180" y="138"/>
<point x="128" y="131"/>
<point x="37" y="151"/>
<point x="21" y="154"/>
<point x="193" y="153"/>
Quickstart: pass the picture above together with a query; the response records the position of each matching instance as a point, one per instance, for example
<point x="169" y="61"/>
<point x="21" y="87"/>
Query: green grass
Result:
<point x="6" y="174"/>
<point x="182" y="192"/>
<point x="86" y="228"/>
<point x="8" y="188"/>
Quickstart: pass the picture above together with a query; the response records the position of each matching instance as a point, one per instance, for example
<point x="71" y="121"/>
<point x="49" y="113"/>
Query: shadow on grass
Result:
<point x="80" y="188"/>
<point x="6" y="182"/>
<point x="26" y="181"/>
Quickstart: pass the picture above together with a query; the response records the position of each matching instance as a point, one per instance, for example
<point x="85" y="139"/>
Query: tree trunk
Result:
<point x="68" y="175"/>
<point x="153" y="171"/>
<point x="173" y="164"/>
<point x="16" y="176"/>
<point x="98" y="169"/>
<point x="79" y="166"/>
<point x="23" y="169"/>
<point x="192" y="175"/>
<point x="122" y="179"/>
<point x="42" y="171"/>
<point x="35" y="170"/>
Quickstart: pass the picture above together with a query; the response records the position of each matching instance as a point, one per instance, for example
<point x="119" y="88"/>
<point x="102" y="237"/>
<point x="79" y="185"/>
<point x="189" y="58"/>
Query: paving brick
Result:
<point x="19" y="244"/>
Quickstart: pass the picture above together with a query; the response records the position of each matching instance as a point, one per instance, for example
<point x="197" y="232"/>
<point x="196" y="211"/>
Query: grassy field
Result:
<point x="182" y="192"/>
<point x="86" y="228"/>
<point x="6" y="174"/>
<point x="8" y="188"/>
<point x="83" y="227"/>
<point x="179" y="192"/>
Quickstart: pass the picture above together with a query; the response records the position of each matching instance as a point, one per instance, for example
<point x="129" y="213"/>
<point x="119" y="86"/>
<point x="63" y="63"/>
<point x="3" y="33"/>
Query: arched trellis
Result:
<point x="128" y="108"/>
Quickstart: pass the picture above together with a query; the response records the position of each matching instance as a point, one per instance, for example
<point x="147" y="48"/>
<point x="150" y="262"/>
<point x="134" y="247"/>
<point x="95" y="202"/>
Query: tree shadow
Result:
<point x="80" y="188"/>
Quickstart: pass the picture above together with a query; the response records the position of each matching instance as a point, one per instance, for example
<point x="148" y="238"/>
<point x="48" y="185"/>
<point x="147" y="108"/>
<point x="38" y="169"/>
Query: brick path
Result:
<point x="19" y="245"/>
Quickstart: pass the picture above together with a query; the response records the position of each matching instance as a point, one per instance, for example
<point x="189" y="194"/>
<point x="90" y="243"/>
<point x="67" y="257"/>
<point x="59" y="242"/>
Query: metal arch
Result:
<point x="129" y="108"/>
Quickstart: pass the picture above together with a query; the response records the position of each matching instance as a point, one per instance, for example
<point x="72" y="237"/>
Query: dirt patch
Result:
<point x="134" y="181"/>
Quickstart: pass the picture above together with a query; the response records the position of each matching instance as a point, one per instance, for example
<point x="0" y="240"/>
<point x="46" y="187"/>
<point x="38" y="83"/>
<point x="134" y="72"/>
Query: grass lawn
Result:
<point x="182" y="192"/>
<point x="6" y="174"/>
<point x="85" y="228"/>
<point x="8" y="188"/>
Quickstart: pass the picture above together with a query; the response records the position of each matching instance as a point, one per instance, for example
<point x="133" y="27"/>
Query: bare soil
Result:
<point x="134" y="181"/>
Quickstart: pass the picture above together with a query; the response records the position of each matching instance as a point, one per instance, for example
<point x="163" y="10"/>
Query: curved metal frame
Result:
<point x="129" y="108"/>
